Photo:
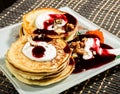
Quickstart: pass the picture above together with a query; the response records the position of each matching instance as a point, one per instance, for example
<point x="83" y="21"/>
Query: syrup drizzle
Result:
<point x="65" y="17"/>
<point x="45" y="31"/>
<point x="38" y="51"/>
<point x="42" y="38"/>
<point x="67" y="49"/>
<point x="52" y="18"/>
<point x="71" y="19"/>
<point x="97" y="61"/>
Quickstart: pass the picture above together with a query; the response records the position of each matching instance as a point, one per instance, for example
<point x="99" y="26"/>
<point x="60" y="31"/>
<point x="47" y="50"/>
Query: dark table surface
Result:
<point x="104" y="13"/>
<point x="5" y="4"/>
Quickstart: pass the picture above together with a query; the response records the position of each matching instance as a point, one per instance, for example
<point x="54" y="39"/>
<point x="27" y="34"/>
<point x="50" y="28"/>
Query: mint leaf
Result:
<point x="79" y="33"/>
<point x="118" y="56"/>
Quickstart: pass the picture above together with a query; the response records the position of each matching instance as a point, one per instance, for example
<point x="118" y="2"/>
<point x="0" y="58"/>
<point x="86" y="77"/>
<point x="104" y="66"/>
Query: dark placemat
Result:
<point x="104" y="13"/>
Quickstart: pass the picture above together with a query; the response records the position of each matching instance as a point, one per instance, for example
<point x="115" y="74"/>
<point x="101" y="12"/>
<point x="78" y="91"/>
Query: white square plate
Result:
<point x="9" y="34"/>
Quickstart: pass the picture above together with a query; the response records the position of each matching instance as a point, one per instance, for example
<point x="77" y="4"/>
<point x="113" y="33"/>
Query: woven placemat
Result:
<point x="104" y="13"/>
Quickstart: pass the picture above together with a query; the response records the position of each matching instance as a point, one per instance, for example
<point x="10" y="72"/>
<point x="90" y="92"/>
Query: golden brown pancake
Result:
<point x="20" y="61"/>
<point x="28" y="25"/>
<point x="37" y="76"/>
<point x="43" y="82"/>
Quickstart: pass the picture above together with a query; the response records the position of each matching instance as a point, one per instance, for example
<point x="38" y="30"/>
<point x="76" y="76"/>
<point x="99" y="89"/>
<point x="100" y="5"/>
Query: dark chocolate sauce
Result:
<point x="38" y="51"/>
<point x="95" y="62"/>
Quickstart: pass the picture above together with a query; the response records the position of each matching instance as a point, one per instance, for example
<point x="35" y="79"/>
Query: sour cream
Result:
<point x="46" y="20"/>
<point x="49" y="53"/>
<point x="93" y="43"/>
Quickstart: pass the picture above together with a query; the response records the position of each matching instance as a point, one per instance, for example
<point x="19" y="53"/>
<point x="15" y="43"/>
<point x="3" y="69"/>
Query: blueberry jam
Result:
<point x="98" y="60"/>
<point x="38" y="51"/>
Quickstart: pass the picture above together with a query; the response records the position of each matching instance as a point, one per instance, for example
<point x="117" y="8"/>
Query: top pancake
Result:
<point x="29" y="18"/>
<point x="20" y="61"/>
<point x="28" y="24"/>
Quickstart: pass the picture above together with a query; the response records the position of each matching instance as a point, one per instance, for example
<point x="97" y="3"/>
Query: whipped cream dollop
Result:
<point x="47" y="20"/>
<point x="49" y="52"/>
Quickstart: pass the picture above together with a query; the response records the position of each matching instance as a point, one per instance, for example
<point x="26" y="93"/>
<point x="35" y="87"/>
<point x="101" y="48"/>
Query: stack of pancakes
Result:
<point x="41" y="72"/>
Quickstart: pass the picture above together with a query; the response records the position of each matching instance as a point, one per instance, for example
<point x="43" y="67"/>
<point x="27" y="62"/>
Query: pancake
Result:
<point x="20" y="61"/>
<point x="52" y="25"/>
<point x="41" y="55"/>
<point x="43" y="82"/>
<point x="37" y="76"/>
